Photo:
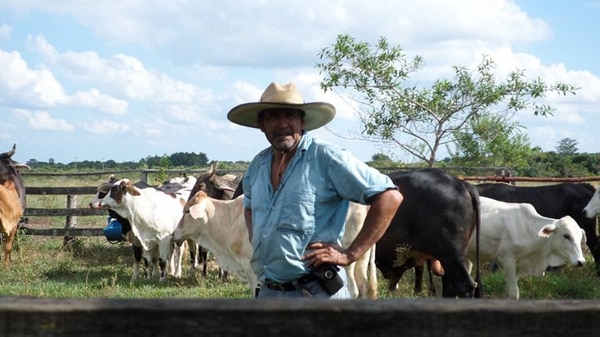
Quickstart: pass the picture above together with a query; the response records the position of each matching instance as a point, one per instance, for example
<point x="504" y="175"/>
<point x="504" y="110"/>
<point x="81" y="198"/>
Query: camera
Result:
<point x="327" y="276"/>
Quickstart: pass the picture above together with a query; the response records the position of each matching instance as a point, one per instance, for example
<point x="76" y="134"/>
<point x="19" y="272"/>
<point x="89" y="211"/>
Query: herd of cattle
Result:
<point x="444" y="223"/>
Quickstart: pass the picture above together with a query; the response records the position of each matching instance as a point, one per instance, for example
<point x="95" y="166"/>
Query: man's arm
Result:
<point x="381" y="212"/>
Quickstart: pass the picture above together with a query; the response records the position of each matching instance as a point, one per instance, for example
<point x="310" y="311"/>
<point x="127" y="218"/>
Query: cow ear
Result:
<point x="546" y="231"/>
<point x="130" y="188"/>
<point x="197" y="211"/>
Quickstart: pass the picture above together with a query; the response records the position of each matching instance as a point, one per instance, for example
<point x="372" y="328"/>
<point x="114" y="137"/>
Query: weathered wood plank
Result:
<point x="63" y="212"/>
<point x="102" y="317"/>
<point x="81" y="190"/>
<point x="63" y="231"/>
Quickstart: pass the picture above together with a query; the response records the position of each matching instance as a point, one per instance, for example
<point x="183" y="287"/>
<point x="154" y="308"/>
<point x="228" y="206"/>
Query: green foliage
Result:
<point x="175" y="160"/>
<point x="381" y="160"/>
<point x="567" y="146"/>
<point x="552" y="164"/>
<point x="422" y="119"/>
<point x="491" y="141"/>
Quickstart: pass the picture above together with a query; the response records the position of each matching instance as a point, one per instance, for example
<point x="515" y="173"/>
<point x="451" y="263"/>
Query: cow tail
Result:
<point x="477" y="207"/>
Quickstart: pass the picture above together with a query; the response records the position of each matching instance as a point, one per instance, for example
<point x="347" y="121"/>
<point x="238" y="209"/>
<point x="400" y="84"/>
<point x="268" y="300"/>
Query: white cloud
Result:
<point x="5" y="31"/>
<point x="41" y="120"/>
<point x="94" y="99"/>
<point x="104" y="127"/>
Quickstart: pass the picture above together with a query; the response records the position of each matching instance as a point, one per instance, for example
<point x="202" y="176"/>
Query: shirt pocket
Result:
<point x="297" y="215"/>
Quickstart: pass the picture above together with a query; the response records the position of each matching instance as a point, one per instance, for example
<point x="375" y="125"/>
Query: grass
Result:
<point x="93" y="267"/>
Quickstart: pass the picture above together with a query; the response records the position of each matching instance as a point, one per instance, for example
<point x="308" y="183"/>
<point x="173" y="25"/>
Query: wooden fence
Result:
<point x="48" y="317"/>
<point x="71" y="211"/>
<point x="100" y="317"/>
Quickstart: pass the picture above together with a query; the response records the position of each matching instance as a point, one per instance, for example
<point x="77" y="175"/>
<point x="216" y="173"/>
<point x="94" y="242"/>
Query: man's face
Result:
<point x="282" y="127"/>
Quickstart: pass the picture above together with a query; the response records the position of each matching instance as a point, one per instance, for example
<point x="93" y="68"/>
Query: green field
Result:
<point x="93" y="267"/>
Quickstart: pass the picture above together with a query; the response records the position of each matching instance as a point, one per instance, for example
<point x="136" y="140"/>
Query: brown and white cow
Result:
<point x="217" y="187"/>
<point x="12" y="200"/>
<point x="219" y="226"/>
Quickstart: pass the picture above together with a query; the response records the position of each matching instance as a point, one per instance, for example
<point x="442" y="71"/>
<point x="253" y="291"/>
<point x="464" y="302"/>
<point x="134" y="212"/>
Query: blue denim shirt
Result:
<point x="310" y="204"/>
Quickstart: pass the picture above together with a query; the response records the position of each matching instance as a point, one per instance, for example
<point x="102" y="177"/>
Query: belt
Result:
<point x="291" y="285"/>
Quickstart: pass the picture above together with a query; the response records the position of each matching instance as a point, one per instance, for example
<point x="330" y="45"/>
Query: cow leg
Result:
<point x="137" y="258"/>
<point x="165" y="249"/>
<point x="418" y="278"/>
<point x="8" y="245"/>
<point x="193" y="249"/>
<point x="372" y="291"/>
<point x="352" y="287"/>
<point x="511" y="279"/>
<point x="204" y="259"/>
<point x="436" y="273"/>
<point x="177" y="253"/>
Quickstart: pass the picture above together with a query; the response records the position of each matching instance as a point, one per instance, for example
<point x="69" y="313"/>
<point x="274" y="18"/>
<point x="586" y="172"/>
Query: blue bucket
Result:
<point x="113" y="231"/>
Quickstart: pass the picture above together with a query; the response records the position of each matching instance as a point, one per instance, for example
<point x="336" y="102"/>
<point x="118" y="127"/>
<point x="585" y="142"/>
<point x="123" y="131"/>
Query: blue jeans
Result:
<point x="310" y="289"/>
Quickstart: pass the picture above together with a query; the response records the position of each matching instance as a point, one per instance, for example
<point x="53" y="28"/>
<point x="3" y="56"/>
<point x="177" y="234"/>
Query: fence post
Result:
<point x="144" y="176"/>
<point x="71" y="220"/>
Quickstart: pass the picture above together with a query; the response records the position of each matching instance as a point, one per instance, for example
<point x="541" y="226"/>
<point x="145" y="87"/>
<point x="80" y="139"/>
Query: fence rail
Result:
<point x="71" y="211"/>
<point x="99" y="317"/>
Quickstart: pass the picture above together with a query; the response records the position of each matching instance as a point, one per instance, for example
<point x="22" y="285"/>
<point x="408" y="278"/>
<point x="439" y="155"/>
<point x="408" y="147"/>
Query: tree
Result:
<point x="491" y="141"/>
<point x="421" y="120"/>
<point x="382" y="160"/>
<point x="567" y="146"/>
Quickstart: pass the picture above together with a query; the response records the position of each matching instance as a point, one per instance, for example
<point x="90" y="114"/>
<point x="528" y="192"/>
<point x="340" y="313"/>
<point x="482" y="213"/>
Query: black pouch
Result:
<point x="327" y="276"/>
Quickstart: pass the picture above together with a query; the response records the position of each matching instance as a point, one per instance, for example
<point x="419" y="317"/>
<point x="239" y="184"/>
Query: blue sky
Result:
<point x="99" y="80"/>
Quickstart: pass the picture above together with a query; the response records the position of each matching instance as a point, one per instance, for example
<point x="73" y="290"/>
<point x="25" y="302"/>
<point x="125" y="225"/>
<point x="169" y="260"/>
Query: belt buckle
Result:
<point x="275" y="285"/>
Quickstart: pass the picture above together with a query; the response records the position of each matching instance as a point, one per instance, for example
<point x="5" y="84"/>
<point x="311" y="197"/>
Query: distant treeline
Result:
<point x="175" y="160"/>
<point x="540" y="164"/>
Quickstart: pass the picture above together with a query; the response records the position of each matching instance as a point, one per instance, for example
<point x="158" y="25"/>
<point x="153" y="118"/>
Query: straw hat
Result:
<point x="276" y="95"/>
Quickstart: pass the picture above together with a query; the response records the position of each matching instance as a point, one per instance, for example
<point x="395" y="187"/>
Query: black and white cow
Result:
<point x="553" y="201"/>
<point x="101" y="192"/>
<point x="436" y="220"/>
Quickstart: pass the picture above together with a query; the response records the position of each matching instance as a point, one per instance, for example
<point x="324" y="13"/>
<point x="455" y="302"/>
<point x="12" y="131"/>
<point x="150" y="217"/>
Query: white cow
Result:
<point x="592" y="209"/>
<point x="153" y="215"/>
<point x="523" y="242"/>
<point x="219" y="226"/>
<point x="362" y="274"/>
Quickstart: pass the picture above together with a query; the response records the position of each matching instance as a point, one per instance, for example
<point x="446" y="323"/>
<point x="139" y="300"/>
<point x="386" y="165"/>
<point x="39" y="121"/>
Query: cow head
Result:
<point x="10" y="175"/>
<point x="217" y="187"/>
<point x="567" y="237"/>
<point x="102" y="191"/>
<point x="194" y="216"/>
<point x="117" y="193"/>
<point x="592" y="209"/>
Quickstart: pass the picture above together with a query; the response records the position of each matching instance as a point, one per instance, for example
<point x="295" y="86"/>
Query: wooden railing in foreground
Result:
<point x="101" y="317"/>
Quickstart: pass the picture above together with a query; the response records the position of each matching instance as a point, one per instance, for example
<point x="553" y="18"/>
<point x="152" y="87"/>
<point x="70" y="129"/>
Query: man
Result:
<point x="296" y="196"/>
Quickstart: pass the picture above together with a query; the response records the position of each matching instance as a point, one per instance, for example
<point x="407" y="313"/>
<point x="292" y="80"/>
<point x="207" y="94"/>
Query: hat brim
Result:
<point x="317" y="114"/>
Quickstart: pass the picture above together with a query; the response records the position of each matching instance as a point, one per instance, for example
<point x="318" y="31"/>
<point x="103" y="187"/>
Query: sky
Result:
<point x="128" y="79"/>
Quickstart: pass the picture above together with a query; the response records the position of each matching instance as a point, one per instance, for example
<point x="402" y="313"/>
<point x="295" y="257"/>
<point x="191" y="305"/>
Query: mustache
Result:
<point x="282" y="133"/>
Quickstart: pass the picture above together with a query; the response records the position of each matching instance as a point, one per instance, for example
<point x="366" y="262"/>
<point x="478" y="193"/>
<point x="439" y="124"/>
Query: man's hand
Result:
<point x="325" y="253"/>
